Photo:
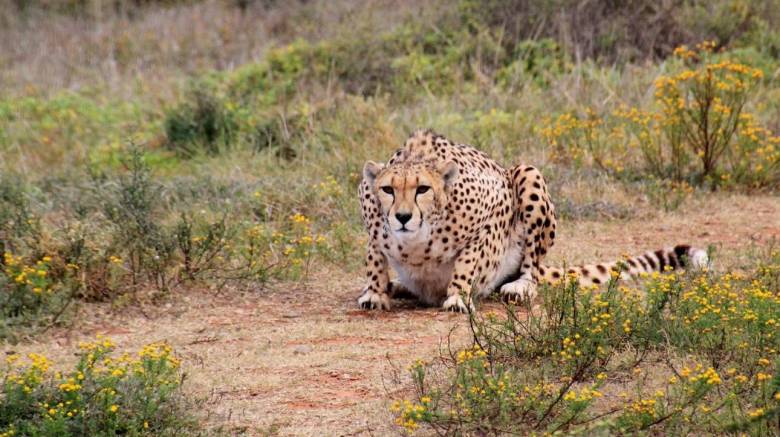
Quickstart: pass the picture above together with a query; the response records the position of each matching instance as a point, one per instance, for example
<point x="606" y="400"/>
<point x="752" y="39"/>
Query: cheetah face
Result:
<point x="411" y="196"/>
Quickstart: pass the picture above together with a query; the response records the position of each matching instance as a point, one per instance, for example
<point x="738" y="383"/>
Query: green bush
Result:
<point x="540" y="61"/>
<point x="19" y="227"/>
<point x="127" y="231"/>
<point x="103" y="394"/>
<point x="132" y="206"/>
<point x="201" y="123"/>
<point x="33" y="293"/>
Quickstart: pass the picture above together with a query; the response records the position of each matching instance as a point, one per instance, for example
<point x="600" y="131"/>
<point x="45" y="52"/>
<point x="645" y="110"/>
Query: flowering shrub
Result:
<point x="700" y="352"/>
<point x="569" y="137"/>
<point x="702" y="108"/>
<point x="24" y="286"/>
<point x="32" y="292"/>
<point x="699" y="132"/>
<point x="104" y="394"/>
<point x="286" y="251"/>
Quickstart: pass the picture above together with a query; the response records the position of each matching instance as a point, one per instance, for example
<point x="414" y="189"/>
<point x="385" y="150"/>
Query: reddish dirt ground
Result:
<point x="301" y="359"/>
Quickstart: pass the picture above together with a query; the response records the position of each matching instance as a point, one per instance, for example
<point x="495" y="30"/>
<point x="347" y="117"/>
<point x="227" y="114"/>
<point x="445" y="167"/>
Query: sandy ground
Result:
<point x="303" y="360"/>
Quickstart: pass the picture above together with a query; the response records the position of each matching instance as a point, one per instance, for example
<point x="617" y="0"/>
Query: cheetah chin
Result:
<point x="451" y="222"/>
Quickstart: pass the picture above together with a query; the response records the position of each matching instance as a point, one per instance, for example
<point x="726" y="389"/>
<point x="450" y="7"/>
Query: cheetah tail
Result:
<point x="681" y="256"/>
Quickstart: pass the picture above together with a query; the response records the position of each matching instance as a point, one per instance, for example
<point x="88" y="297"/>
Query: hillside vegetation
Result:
<point x="152" y="147"/>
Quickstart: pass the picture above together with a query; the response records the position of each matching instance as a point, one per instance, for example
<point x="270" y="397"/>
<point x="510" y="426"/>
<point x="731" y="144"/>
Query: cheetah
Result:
<point x="450" y="221"/>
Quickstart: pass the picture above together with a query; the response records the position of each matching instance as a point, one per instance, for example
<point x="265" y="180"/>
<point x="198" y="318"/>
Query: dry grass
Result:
<point x="157" y="47"/>
<point x="300" y="359"/>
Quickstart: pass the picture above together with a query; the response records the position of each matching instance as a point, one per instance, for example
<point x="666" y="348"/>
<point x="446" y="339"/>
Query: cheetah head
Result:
<point x="412" y="196"/>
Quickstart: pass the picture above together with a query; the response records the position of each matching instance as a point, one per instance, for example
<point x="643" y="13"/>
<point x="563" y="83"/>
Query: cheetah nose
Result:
<point x="403" y="218"/>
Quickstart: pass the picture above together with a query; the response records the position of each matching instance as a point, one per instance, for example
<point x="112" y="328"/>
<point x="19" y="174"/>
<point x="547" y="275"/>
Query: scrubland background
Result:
<point x="162" y="160"/>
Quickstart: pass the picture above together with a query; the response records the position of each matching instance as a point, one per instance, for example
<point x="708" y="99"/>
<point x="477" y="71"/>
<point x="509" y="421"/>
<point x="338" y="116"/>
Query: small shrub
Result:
<point x="668" y="195"/>
<point x="432" y="65"/>
<point x="132" y="206"/>
<point x="571" y="138"/>
<point x="34" y="293"/>
<point x="286" y="251"/>
<point x="19" y="227"/>
<point x="275" y="79"/>
<point x="201" y="248"/>
<point x="26" y="287"/>
<point x="104" y="394"/>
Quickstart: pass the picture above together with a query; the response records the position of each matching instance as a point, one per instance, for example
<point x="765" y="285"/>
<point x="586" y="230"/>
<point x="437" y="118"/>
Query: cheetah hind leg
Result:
<point x="534" y="230"/>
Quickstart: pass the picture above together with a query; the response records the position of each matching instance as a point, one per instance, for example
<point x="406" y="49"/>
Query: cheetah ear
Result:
<point x="371" y="169"/>
<point x="449" y="172"/>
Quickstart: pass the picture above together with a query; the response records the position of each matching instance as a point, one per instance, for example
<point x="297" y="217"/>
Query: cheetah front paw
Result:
<point x="371" y="300"/>
<point x="521" y="290"/>
<point x="455" y="304"/>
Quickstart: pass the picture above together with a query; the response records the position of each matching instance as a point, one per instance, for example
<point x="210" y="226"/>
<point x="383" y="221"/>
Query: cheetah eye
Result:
<point x="423" y="189"/>
<point x="388" y="189"/>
